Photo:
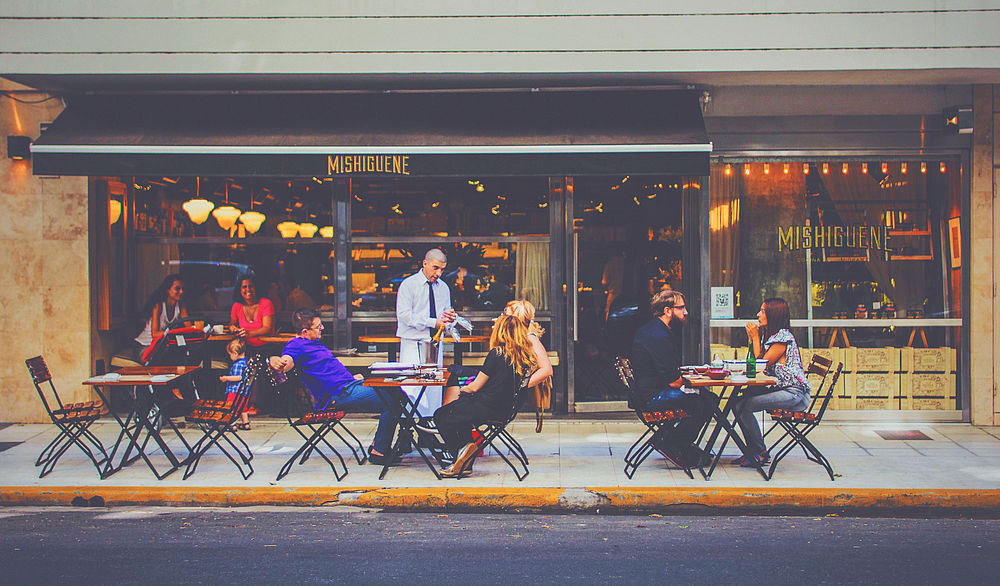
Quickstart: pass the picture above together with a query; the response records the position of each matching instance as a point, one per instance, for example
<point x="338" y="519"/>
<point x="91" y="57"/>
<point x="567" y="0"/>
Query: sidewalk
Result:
<point x="575" y="465"/>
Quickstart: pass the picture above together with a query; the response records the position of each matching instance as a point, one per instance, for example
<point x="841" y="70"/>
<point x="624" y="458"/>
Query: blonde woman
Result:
<point x="525" y="311"/>
<point x="491" y="395"/>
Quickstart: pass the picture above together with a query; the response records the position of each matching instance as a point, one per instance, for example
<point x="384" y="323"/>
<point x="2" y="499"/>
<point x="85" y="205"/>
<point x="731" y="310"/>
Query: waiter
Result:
<point x="423" y="304"/>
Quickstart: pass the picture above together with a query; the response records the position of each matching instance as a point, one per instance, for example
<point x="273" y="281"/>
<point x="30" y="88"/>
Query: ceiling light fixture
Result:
<point x="197" y="208"/>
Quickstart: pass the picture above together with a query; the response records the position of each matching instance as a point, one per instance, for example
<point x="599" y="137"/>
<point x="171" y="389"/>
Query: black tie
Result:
<point x="430" y="297"/>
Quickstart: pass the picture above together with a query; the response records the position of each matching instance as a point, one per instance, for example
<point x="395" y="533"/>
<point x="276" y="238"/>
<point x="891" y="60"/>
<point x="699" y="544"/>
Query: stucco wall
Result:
<point x="45" y="298"/>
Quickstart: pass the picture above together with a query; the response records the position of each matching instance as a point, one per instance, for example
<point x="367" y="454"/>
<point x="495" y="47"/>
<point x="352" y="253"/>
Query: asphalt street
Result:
<point x="41" y="545"/>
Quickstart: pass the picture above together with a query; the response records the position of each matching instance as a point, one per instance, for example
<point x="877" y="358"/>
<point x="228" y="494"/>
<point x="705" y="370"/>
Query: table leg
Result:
<point x="722" y="421"/>
<point x="407" y="416"/>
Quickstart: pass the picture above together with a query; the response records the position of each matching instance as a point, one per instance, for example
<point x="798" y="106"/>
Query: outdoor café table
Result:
<point x="722" y="421"/>
<point x="406" y="408"/>
<point x="393" y="342"/>
<point x="137" y="423"/>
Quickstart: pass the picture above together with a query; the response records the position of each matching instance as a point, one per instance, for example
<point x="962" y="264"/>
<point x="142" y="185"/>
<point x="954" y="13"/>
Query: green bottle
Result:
<point x="751" y="363"/>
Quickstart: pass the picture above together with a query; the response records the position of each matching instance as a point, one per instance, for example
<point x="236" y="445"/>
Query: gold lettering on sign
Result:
<point x="863" y="236"/>
<point x="377" y="164"/>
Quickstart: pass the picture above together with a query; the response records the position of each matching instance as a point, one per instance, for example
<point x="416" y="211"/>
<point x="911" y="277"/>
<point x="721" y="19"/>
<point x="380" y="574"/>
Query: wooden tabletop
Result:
<point x="477" y="339"/>
<point x="703" y="381"/>
<point x="132" y="375"/>
<point x="272" y="339"/>
<point x="382" y="381"/>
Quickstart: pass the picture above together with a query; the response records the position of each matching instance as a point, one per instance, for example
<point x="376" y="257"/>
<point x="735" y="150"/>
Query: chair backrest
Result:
<point x="183" y="346"/>
<point x="819" y="365"/>
<point x="255" y="365"/>
<point x="39" y="376"/>
<point x="627" y="377"/>
<point x="829" y="392"/>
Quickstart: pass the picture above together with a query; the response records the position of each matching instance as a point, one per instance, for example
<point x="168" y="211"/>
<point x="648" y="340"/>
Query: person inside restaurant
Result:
<point x="250" y="316"/>
<point x="656" y="362"/>
<point x="423" y="305"/>
<point x="783" y="363"/>
<point x="492" y="394"/>
<point x="331" y="384"/>
<point x="164" y="309"/>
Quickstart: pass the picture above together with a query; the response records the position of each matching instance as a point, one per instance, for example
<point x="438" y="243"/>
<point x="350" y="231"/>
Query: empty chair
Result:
<point x="72" y="419"/>
<point x="659" y="426"/>
<point x="216" y="419"/>
<point x="797" y="425"/>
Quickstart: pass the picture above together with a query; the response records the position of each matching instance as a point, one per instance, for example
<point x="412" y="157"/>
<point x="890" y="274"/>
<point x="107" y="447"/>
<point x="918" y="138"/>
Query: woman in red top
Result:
<point x="251" y="316"/>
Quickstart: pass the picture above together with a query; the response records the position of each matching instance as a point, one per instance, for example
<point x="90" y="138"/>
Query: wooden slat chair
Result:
<point x="659" y="425"/>
<point x="494" y="431"/>
<point x="217" y="420"/>
<point x="313" y="425"/>
<point x="798" y="424"/>
<point x="72" y="419"/>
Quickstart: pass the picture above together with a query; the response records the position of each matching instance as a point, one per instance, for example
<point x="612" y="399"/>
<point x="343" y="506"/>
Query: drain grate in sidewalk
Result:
<point x="8" y="445"/>
<point x="902" y="434"/>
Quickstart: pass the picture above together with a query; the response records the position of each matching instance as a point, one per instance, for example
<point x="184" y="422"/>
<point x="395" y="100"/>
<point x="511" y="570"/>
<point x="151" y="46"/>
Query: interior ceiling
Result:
<point x="75" y="83"/>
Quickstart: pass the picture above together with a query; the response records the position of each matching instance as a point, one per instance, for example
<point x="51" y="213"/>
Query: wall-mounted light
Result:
<point x="843" y="168"/>
<point x="826" y="168"/>
<point x="902" y="168"/>
<point x="729" y="169"/>
<point x="767" y="168"/>
<point x="114" y="211"/>
<point x="805" y="168"/>
<point x="943" y="167"/>
<point x="864" y="168"/>
<point x="923" y="167"/>
<point x="785" y="170"/>
<point x="19" y="147"/>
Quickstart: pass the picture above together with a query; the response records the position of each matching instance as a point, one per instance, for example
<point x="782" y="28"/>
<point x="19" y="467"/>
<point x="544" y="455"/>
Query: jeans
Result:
<point x="356" y="397"/>
<point x="699" y="407"/>
<point x="789" y="398"/>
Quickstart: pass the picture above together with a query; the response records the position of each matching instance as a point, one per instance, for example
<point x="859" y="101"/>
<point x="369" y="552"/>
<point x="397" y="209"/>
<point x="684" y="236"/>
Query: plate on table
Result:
<point x="739" y="379"/>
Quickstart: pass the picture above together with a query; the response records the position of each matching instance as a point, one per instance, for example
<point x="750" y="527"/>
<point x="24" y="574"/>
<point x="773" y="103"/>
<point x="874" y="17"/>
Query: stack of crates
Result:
<point x="872" y="380"/>
<point x="928" y="377"/>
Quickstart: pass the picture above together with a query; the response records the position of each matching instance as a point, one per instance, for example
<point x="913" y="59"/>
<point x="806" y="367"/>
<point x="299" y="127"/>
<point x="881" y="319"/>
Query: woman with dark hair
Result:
<point x="783" y="363"/>
<point x="492" y="393"/>
<point x="163" y="309"/>
<point x="251" y="316"/>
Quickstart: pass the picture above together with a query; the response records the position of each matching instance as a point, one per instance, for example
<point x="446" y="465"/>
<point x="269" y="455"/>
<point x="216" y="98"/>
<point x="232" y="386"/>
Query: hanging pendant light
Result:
<point x="252" y="220"/>
<point x="197" y="208"/>
<point x="226" y="215"/>
<point x="307" y="229"/>
<point x="288" y="229"/>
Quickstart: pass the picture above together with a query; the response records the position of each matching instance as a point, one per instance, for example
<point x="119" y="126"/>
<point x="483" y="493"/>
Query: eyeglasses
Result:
<point x="680" y="307"/>
<point x="318" y="327"/>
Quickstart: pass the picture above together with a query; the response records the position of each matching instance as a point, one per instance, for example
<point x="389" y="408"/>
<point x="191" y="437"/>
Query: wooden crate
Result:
<point x="871" y="384"/>
<point x="834" y="354"/>
<point x="872" y="403"/>
<point x="872" y="359"/>
<point x="725" y="352"/>
<point x="928" y="359"/>
<point x="927" y="385"/>
<point x="930" y="403"/>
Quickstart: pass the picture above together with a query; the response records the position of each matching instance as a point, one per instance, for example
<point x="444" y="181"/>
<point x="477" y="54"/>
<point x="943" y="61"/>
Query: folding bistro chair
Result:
<point x="659" y="426"/>
<point x="493" y="432"/>
<point x="72" y="419"/>
<point x="317" y="423"/>
<point x="798" y="424"/>
<point x="216" y="419"/>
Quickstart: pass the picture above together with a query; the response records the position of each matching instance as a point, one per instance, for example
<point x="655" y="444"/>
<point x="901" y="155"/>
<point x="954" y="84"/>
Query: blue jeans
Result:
<point x="791" y="399"/>
<point x="699" y="407"/>
<point x="356" y="397"/>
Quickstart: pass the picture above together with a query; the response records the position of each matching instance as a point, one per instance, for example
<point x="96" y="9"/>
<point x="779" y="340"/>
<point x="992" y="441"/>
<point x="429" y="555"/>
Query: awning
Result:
<point x="420" y="134"/>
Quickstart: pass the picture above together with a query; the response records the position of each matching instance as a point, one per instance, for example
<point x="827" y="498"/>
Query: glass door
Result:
<point x="627" y="240"/>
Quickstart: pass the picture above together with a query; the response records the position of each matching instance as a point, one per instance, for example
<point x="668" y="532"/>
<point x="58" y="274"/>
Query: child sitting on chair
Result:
<point x="237" y="353"/>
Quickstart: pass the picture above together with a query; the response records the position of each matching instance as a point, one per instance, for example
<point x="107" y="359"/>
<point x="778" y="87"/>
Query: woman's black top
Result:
<point x="498" y="392"/>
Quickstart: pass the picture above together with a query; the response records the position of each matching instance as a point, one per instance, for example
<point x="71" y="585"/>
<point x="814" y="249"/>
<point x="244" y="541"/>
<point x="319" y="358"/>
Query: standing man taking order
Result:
<point x="423" y="304"/>
<point x="656" y="361"/>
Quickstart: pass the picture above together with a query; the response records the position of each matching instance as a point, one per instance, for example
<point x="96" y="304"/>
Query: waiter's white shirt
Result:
<point x="413" y="320"/>
<point x="413" y="324"/>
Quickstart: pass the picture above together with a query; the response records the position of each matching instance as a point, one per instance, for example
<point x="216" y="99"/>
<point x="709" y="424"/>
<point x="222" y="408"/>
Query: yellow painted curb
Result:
<point x="515" y="498"/>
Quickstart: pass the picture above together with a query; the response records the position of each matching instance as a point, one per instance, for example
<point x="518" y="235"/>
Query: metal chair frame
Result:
<point x="72" y="419"/>
<point x="659" y="425"/>
<point x="217" y="420"/>
<point x="495" y="430"/>
<point x="798" y="424"/>
<point x="320" y="423"/>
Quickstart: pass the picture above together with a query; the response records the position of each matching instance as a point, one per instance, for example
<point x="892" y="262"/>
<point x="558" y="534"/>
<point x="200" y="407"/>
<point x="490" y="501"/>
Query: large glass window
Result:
<point x="867" y="254"/>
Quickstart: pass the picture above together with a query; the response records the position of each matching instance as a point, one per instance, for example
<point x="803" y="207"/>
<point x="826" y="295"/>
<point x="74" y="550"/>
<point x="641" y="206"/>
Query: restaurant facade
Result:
<point x="858" y="204"/>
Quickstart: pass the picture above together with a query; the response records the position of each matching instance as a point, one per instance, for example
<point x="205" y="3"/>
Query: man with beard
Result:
<point x="656" y="360"/>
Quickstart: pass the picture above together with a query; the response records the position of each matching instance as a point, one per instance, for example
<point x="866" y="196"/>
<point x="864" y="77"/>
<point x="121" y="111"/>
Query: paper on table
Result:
<point x="161" y="378"/>
<point x="393" y="365"/>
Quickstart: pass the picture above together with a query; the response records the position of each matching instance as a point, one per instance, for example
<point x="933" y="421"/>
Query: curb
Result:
<point x="485" y="499"/>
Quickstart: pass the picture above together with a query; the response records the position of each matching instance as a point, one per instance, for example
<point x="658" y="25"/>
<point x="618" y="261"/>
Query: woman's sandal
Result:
<point x="243" y="426"/>
<point x="758" y="460"/>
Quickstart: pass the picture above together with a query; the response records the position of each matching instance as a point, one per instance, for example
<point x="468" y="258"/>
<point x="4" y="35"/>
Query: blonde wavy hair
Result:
<point x="510" y="336"/>
<point x="525" y="311"/>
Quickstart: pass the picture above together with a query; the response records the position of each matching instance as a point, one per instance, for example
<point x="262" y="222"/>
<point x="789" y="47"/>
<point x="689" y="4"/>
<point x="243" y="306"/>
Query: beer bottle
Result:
<point x="751" y="362"/>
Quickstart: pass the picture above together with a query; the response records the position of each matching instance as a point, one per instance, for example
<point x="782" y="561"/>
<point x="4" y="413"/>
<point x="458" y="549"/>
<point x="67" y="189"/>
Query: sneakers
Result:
<point x="426" y="426"/>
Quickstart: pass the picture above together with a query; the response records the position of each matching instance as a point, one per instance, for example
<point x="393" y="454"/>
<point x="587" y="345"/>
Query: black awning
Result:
<point x="420" y="134"/>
